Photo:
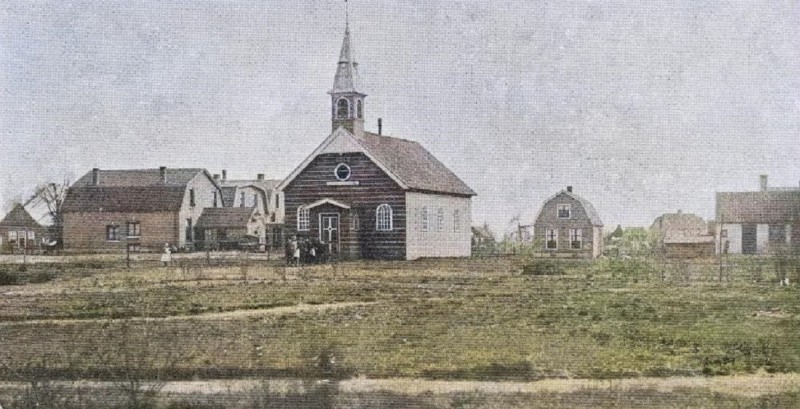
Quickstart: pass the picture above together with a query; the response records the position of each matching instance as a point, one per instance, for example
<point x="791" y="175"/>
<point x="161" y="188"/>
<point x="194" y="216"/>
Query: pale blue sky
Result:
<point x="643" y="107"/>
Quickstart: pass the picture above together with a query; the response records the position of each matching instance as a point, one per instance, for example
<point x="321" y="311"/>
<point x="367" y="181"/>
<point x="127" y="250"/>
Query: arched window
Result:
<point x="303" y="219"/>
<point x="383" y="218"/>
<point x="440" y="220"/>
<point x="342" y="108"/>
<point x="360" y="109"/>
<point x="424" y="219"/>
<point x="355" y="223"/>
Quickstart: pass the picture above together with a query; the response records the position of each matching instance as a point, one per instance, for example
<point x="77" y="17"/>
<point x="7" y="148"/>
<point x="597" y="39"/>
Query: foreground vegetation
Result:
<point x="505" y="319"/>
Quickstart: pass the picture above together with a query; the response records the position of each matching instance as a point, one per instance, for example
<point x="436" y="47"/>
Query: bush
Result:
<point x="8" y="278"/>
<point x="543" y="268"/>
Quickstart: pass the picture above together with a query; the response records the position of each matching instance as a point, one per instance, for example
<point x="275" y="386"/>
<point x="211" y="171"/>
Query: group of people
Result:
<point x="299" y="252"/>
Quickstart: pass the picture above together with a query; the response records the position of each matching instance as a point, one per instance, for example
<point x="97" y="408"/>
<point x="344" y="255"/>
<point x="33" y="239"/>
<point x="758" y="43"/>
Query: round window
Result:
<point x="342" y="172"/>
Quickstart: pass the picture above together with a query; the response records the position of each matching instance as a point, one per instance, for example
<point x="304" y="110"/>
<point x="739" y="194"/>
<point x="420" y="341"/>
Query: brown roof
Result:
<point x="758" y="207"/>
<point x="140" y="177"/>
<point x="216" y="217"/>
<point x="414" y="165"/>
<point x="131" y="190"/>
<point x="19" y="217"/>
<point x="591" y="212"/>
<point x="124" y="199"/>
<point x="680" y="221"/>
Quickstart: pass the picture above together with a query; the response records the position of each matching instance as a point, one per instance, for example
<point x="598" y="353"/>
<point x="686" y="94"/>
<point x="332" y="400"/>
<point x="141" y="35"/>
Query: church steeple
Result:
<point x="347" y="102"/>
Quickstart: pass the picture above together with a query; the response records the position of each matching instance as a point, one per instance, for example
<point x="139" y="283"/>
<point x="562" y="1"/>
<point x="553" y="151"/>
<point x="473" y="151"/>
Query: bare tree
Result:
<point x="50" y="196"/>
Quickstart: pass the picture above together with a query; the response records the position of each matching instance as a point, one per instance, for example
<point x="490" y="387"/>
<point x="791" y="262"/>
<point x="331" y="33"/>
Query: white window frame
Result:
<point x="384" y="218"/>
<point x="456" y="221"/>
<point x="137" y="231"/>
<point x="31" y="235"/>
<point x="303" y="219"/>
<point x="440" y="219"/>
<point x="349" y="108"/>
<point x="423" y="217"/>
<point x="336" y="172"/>
<point x="12" y="235"/>
<point x="112" y="228"/>
<point x="547" y="236"/>
<point x="576" y="235"/>
<point x="355" y="222"/>
<point x="568" y="207"/>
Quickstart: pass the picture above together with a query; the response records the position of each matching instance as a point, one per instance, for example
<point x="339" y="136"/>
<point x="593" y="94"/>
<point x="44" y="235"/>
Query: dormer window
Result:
<point x="360" y="109"/>
<point x="342" y="108"/>
<point x="564" y="211"/>
<point x="342" y="172"/>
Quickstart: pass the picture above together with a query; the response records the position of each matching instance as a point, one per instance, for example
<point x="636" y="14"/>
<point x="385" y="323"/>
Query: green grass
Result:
<point x="462" y="319"/>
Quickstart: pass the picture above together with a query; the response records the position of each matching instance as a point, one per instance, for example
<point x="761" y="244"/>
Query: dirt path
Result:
<point x="752" y="385"/>
<point x="226" y="315"/>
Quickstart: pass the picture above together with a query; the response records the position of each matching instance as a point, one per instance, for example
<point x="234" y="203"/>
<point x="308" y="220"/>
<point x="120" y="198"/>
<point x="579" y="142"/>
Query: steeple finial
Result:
<point x="346" y="17"/>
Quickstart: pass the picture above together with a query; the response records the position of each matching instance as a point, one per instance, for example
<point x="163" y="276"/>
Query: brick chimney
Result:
<point x="380" y="126"/>
<point x="95" y="176"/>
<point x="260" y="176"/>
<point x="764" y="184"/>
<point x="569" y="189"/>
<point x="162" y="173"/>
<point x="224" y="174"/>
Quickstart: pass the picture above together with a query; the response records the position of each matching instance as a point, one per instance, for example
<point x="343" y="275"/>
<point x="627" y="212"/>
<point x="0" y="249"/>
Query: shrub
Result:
<point x="8" y="278"/>
<point x="543" y="268"/>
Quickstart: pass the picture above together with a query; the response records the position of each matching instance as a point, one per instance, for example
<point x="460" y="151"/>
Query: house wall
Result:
<point x="373" y="189"/>
<point x="548" y="219"/>
<point x="734" y="238"/>
<point x="433" y="242"/>
<point x="86" y="232"/>
<point x="597" y="241"/>
<point x="204" y="189"/>
<point x="40" y="237"/>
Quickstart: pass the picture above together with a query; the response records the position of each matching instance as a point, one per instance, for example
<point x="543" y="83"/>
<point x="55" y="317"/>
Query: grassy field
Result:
<point x="476" y="319"/>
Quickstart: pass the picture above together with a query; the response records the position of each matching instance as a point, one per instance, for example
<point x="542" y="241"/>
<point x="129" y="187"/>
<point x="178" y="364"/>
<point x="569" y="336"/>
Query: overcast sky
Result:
<point x="643" y="107"/>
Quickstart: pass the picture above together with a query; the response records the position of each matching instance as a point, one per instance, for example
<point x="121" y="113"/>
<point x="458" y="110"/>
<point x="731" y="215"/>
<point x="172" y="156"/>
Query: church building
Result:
<point x="368" y="195"/>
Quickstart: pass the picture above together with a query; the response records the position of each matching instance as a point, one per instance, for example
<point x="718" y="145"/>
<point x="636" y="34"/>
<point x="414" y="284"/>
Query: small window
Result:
<point x="383" y="218"/>
<point x="440" y="220"/>
<point x="241" y="199"/>
<point x="355" y="223"/>
<point x="342" y="108"/>
<point x="424" y="218"/>
<point x="564" y="211"/>
<point x="134" y="229"/>
<point x="191" y="197"/>
<point x="277" y="201"/>
<point x="12" y="236"/>
<point x="112" y="232"/>
<point x="360" y="109"/>
<point x="303" y="219"/>
<point x="723" y="233"/>
<point x="189" y="230"/>
<point x="551" y="239"/>
<point x="215" y="198"/>
<point x="31" y="235"/>
<point x="255" y="200"/>
<point x="342" y="172"/>
<point x="576" y="239"/>
<point x="134" y="248"/>
<point x="456" y="221"/>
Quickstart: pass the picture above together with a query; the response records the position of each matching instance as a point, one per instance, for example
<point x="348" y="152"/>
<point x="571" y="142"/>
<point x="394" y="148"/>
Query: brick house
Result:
<point x="568" y="224"/>
<point x="107" y="210"/>
<point x="367" y="195"/>
<point x="20" y="231"/>
<point x="756" y="222"/>
<point x="682" y="235"/>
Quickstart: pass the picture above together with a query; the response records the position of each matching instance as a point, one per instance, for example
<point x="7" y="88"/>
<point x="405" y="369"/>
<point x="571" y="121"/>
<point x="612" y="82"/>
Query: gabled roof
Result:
<point x="591" y="213"/>
<point x="758" y="207"/>
<point x="19" y="217"/>
<point x="131" y="190"/>
<point x="679" y="221"/>
<point x="327" y="201"/>
<point x="406" y="162"/>
<point x="142" y="199"/>
<point x="139" y="177"/>
<point x="219" y="217"/>
<point x="228" y="195"/>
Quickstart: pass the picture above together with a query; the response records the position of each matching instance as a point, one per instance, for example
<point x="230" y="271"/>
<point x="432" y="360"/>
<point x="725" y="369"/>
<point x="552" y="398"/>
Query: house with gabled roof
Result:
<point x="758" y="222"/>
<point x="20" y="231"/>
<point x="568" y="224"/>
<point x="682" y="235"/>
<point x="138" y="209"/>
<point x="368" y="195"/>
<point x="262" y="195"/>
